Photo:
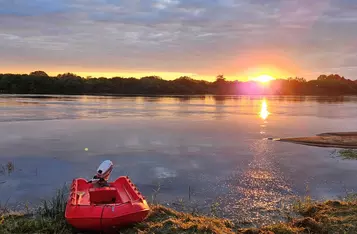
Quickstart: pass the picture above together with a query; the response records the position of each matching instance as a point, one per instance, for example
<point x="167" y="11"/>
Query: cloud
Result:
<point x="198" y="36"/>
<point x="30" y="8"/>
<point x="163" y="4"/>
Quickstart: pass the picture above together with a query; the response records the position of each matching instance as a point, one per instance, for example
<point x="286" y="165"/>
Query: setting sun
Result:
<point x="264" y="78"/>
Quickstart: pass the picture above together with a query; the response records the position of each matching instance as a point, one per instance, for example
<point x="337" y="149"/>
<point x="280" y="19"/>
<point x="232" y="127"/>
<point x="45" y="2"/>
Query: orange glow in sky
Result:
<point x="264" y="78"/>
<point x="264" y="62"/>
<point x="262" y="65"/>
<point x="242" y="76"/>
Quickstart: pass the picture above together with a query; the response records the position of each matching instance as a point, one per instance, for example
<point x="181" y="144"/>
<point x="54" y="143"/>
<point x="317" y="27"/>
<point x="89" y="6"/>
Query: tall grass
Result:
<point x="55" y="207"/>
<point x="49" y="218"/>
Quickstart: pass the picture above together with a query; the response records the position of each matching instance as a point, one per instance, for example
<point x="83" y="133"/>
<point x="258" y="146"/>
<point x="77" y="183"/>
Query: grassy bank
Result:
<point x="314" y="217"/>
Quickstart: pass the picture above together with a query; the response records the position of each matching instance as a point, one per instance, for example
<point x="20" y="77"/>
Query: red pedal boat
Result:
<point x="100" y="208"/>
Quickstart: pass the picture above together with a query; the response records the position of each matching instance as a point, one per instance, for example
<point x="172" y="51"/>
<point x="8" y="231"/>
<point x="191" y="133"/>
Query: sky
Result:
<point x="240" y="39"/>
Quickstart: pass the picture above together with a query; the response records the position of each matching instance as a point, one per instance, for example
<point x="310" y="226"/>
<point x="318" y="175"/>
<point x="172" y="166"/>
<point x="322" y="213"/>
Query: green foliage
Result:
<point x="38" y="82"/>
<point x="348" y="154"/>
<point x="350" y="197"/>
<point x="39" y="73"/>
<point x="32" y="224"/>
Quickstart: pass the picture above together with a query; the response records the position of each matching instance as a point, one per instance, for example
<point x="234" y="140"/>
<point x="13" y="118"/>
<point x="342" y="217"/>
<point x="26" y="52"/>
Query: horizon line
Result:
<point x="174" y="75"/>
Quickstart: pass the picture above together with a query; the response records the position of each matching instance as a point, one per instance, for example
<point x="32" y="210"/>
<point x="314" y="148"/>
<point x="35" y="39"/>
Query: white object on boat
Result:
<point x="105" y="169"/>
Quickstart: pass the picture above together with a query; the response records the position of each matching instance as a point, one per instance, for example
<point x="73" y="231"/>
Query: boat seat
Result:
<point x="103" y="195"/>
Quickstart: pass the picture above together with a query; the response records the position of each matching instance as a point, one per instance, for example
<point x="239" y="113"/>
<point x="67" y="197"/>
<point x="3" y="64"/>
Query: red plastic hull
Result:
<point x="130" y="206"/>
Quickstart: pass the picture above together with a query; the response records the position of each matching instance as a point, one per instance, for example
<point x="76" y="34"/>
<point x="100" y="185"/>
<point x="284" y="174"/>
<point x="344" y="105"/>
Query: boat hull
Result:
<point x="129" y="206"/>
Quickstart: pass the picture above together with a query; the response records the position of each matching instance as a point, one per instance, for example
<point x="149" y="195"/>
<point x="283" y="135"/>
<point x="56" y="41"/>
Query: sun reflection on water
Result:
<point x="259" y="194"/>
<point x="264" y="113"/>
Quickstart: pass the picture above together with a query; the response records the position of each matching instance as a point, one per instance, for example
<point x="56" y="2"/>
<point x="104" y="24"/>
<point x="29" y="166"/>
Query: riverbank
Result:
<point x="338" y="216"/>
<point x="346" y="140"/>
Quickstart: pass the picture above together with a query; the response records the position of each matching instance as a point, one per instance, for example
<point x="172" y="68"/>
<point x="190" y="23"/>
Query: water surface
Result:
<point x="214" y="145"/>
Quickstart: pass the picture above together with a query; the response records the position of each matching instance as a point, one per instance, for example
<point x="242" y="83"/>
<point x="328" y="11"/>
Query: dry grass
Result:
<point x="316" y="217"/>
<point x="329" y="217"/>
<point x="165" y="220"/>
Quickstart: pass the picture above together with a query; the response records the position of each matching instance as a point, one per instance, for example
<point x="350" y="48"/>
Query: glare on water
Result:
<point x="264" y="113"/>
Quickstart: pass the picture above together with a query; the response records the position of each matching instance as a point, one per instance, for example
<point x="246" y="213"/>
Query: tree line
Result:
<point x="39" y="82"/>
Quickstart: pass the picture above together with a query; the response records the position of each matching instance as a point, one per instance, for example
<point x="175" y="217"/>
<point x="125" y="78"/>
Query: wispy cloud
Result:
<point x="197" y="36"/>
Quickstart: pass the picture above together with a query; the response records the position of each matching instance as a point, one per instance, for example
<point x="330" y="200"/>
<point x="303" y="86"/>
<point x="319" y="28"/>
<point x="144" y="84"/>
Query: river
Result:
<point x="211" y="149"/>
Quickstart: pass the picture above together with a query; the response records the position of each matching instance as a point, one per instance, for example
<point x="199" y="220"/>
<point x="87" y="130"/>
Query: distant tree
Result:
<point x="184" y="78"/>
<point x="68" y="75"/>
<point x="220" y="78"/>
<point x="151" y="78"/>
<point x="220" y="85"/>
<point x="322" y="77"/>
<point x="330" y="77"/>
<point x="68" y="83"/>
<point x="298" y="79"/>
<point x="38" y="73"/>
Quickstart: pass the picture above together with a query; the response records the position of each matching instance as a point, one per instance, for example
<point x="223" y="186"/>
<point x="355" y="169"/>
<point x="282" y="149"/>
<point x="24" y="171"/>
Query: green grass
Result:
<point x="55" y="207"/>
<point x="348" y="154"/>
<point x="33" y="224"/>
<point x="314" y="217"/>
<point x="49" y="218"/>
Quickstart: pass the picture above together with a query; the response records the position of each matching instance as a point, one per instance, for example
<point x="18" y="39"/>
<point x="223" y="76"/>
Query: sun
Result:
<point x="264" y="78"/>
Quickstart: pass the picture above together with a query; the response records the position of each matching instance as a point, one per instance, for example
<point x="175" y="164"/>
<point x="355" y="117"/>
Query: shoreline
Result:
<point x="345" y="140"/>
<point x="331" y="216"/>
<point x="43" y="95"/>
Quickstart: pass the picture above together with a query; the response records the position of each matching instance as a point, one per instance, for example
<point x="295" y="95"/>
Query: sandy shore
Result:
<point x="330" y="139"/>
